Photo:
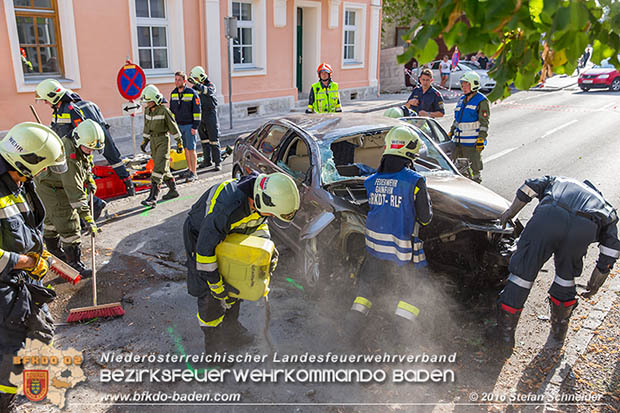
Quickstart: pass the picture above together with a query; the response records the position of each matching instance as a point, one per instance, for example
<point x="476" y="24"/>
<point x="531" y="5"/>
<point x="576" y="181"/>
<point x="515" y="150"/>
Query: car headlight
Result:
<point x="602" y="76"/>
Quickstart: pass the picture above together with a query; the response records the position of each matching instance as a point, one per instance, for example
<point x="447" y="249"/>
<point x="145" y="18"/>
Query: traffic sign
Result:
<point x="130" y="108"/>
<point x="130" y="81"/>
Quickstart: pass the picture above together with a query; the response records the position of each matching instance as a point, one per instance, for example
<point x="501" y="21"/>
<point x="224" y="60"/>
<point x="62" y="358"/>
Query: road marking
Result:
<point x="499" y="155"/>
<point x="606" y="107"/>
<point x="559" y="128"/>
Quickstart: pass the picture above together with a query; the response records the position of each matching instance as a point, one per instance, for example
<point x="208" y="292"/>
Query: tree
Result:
<point x="515" y="33"/>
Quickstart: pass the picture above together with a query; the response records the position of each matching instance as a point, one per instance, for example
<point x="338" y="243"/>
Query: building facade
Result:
<point x="279" y="45"/>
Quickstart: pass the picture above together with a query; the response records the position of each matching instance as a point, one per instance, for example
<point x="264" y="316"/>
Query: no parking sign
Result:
<point x="130" y="81"/>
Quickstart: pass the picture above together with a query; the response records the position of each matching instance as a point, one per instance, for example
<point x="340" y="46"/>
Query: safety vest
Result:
<point x="466" y="120"/>
<point x="326" y="100"/>
<point x="391" y="220"/>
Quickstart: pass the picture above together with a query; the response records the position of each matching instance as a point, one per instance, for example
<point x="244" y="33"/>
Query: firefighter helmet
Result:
<point x="394" y="113"/>
<point x="50" y="90"/>
<point x="473" y="79"/>
<point x="402" y="141"/>
<point x="198" y="74"/>
<point x="31" y="147"/>
<point x="324" y="67"/>
<point x="151" y="94"/>
<point x="276" y="194"/>
<point x="90" y="134"/>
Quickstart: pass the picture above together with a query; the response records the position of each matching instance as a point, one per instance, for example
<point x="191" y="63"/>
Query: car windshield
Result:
<point x="468" y="66"/>
<point x="359" y="155"/>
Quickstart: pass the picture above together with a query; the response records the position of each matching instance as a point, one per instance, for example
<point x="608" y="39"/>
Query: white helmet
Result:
<point x="50" y="90"/>
<point x="30" y="148"/>
<point x="198" y="74"/>
<point x="276" y="194"/>
<point x="90" y="134"/>
<point x="151" y="94"/>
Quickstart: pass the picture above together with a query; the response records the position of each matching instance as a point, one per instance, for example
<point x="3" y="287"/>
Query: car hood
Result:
<point x="599" y="71"/>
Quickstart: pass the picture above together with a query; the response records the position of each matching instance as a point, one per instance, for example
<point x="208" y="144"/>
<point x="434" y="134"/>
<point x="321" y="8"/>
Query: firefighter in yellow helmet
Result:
<point x="26" y="150"/>
<point x="324" y="95"/>
<point x="234" y="206"/>
<point x="65" y="197"/>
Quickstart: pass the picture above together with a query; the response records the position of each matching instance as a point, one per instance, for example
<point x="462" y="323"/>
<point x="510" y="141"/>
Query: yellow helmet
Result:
<point x="276" y="194"/>
<point x="198" y="74"/>
<point x="90" y="134"/>
<point x="473" y="79"/>
<point x="394" y="113"/>
<point x="50" y="90"/>
<point x="151" y="94"/>
<point x="402" y="141"/>
<point x="30" y="148"/>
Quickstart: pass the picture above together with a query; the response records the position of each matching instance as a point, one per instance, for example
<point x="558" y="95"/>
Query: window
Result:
<point x="152" y="27"/>
<point x="243" y="45"/>
<point x="349" y="35"/>
<point x="269" y="145"/>
<point x="39" y="37"/>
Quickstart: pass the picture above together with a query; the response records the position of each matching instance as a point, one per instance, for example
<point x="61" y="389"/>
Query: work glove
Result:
<point x="179" y="147"/>
<point x="221" y="291"/>
<point x="92" y="227"/>
<point x="480" y="144"/>
<point x="597" y="279"/>
<point x="338" y="110"/>
<point x="41" y="264"/>
<point x="309" y="110"/>
<point x="143" y="146"/>
<point x="91" y="185"/>
<point x="516" y="206"/>
<point x="274" y="261"/>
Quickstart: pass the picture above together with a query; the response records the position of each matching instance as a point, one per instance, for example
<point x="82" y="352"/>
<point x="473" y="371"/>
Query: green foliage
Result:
<point x="514" y="32"/>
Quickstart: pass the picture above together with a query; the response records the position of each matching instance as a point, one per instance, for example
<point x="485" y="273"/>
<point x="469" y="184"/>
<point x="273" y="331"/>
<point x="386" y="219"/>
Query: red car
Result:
<point x="604" y="76"/>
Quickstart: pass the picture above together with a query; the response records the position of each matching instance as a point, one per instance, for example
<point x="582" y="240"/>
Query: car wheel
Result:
<point x="585" y="89"/>
<point x="615" y="85"/>
<point x="311" y="268"/>
<point x="236" y="173"/>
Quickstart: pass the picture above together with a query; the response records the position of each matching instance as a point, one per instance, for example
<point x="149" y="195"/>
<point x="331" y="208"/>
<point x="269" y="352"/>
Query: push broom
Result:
<point x="94" y="311"/>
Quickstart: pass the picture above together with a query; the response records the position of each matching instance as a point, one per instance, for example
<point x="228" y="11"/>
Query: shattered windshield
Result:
<point x="359" y="155"/>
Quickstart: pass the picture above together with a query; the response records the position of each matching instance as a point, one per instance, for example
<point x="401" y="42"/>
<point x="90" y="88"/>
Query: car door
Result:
<point x="265" y="149"/>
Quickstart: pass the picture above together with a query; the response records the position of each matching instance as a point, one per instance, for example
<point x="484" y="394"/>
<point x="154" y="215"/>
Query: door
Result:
<point x="300" y="37"/>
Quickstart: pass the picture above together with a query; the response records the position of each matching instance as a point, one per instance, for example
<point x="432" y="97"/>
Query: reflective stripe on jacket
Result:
<point x="185" y="106"/>
<point x="466" y="120"/>
<point x="326" y="100"/>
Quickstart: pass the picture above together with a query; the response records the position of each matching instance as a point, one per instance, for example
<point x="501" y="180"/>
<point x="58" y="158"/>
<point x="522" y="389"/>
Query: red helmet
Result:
<point x="324" y="67"/>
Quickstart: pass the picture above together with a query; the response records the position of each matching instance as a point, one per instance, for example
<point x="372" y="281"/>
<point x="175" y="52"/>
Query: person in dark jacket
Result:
<point x="25" y="151"/>
<point x="209" y="128"/>
<point x="185" y="106"/>
<point x="569" y="217"/>
<point x="234" y="206"/>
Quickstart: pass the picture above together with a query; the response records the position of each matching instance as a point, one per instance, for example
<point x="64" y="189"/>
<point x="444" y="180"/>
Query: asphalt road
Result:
<point x="140" y="257"/>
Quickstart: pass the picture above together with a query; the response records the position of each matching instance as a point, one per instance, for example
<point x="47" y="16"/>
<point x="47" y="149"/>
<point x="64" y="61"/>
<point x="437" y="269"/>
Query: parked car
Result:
<point x="603" y="76"/>
<point x="330" y="156"/>
<point x="457" y="72"/>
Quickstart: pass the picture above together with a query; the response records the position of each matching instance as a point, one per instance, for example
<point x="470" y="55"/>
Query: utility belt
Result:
<point x="572" y="211"/>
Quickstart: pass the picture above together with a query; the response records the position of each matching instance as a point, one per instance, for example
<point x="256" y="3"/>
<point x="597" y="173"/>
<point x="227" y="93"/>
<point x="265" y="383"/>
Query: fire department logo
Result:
<point x="36" y="384"/>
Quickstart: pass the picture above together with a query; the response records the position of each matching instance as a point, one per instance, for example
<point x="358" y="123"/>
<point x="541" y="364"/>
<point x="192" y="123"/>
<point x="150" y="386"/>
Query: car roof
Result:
<point x="326" y="127"/>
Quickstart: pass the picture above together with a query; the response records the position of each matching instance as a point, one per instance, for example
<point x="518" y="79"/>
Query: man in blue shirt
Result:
<point x="425" y="99"/>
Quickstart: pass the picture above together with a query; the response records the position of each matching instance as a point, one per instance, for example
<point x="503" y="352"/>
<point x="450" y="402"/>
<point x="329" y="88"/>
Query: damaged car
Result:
<point x="330" y="156"/>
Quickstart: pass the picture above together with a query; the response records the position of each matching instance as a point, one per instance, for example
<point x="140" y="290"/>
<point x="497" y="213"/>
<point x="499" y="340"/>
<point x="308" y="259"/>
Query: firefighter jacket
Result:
<point x="324" y="99"/>
<point x="159" y="121"/>
<point x="67" y="115"/>
<point x="185" y="106"/>
<point x="583" y="199"/>
<point x="222" y="210"/>
<point x="471" y="120"/>
<point x="72" y="182"/>
<point x="206" y="92"/>
<point x="397" y="201"/>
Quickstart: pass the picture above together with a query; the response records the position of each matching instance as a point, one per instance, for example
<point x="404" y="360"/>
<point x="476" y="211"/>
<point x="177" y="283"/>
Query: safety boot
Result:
<point x="73" y="254"/>
<point x="172" y="189"/>
<point x="7" y="403"/>
<point x="99" y="206"/>
<point x="560" y="314"/>
<point x="236" y="335"/>
<point x="53" y="246"/>
<point x="129" y="186"/>
<point x="507" y="320"/>
<point x="216" y="342"/>
<point x="152" y="198"/>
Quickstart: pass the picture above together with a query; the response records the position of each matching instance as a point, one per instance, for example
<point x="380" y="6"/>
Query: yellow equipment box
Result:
<point x="244" y="262"/>
<point x="177" y="160"/>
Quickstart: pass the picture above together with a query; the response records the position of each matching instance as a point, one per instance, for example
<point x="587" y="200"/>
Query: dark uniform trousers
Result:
<point x="209" y="131"/>
<point x="555" y="231"/>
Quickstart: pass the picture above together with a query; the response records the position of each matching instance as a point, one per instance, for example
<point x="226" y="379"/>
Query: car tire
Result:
<point x="236" y="172"/>
<point x="615" y="85"/>
<point x="585" y="89"/>
<point x="310" y="260"/>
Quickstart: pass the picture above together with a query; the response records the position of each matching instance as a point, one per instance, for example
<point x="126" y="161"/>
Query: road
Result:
<point x="140" y="257"/>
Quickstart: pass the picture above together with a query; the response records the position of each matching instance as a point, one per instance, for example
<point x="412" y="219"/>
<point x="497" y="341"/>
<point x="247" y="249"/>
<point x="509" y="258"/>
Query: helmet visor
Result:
<point x="59" y="169"/>
<point x="288" y="217"/>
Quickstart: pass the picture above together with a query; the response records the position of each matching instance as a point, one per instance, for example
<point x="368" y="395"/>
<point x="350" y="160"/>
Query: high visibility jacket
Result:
<point x="158" y="121"/>
<point x="207" y="94"/>
<point x="221" y="210"/>
<point x="392" y="218"/>
<point x="72" y="182"/>
<point x="324" y="100"/>
<point x="583" y="199"/>
<point x="467" y="125"/>
<point x="66" y="117"/>
<point x="185" y="106"/>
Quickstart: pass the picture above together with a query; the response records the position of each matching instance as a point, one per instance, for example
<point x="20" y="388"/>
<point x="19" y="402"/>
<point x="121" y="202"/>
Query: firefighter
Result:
<point x="69" y="110"/>
<point x="399" y="204"/>
<point x="65" y="197"/>
<point x="569" y="217"/>
<point x="209" y="128"/>
<point x="234" y="206"/>
<point x="471" y="123"/>
<point x="26" y="150"/>
<point x="185" y="106"/>
<point x="399" y="112"/>
<point x="158" y="124"/>
<point x="324" y="95"/>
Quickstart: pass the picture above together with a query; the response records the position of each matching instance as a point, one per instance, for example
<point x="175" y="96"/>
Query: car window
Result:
<point x="270" y="139"/>
<point x="438" y="132"/>
<point x="436" y="66"/>
<point x="422" y="124"/>
<point x="295" y="159"/>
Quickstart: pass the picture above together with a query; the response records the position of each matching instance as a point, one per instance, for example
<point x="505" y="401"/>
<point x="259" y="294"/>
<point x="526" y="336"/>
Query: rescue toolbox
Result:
<point x="244" y="262"/>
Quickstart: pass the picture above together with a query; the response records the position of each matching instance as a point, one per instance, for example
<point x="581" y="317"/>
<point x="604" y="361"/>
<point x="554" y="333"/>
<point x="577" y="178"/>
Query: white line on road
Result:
<point x="499" y="154"/>
<point x="606" y="107"/>
<point x="552" y="131"/>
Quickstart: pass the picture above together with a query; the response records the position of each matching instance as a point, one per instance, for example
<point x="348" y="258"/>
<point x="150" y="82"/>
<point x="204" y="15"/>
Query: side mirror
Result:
<point x="316" y="225"/>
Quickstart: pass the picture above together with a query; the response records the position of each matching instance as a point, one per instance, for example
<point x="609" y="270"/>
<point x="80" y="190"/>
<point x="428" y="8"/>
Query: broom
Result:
<point x="64" y="270"/>
<point x="94" y="311"/>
